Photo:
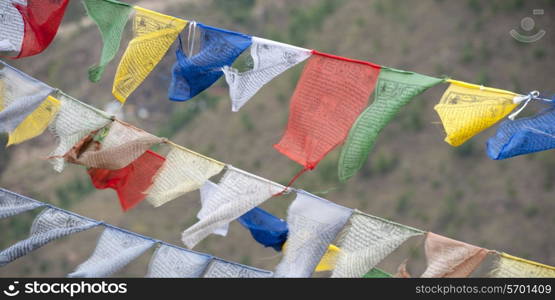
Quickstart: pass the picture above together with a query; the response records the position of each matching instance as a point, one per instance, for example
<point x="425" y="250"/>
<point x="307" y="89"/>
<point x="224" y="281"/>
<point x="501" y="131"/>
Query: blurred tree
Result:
<point x="238" y="10"/>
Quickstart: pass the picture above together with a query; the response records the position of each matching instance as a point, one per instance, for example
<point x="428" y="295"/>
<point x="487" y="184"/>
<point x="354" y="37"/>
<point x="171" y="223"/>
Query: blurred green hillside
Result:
<point x="412" y="176"/>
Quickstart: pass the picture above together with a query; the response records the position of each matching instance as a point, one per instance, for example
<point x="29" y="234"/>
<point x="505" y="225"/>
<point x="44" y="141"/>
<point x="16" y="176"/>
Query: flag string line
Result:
<point x="138" y="235"/>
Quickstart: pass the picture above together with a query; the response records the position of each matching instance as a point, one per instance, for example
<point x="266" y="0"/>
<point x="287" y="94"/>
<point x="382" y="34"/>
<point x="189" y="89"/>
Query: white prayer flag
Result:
<point x="314" y="223"/>
<point x="12" y="204"/>
<point x="237" y="193"/>
<point x="224" y="269"/>
<point x="366" y="242"/>
<point x="270" y="59"/>
<point x="72" y="123"/>
<point x="181" y="173"/>
<point x="171" y="262"/>
<point x="115" y="250"/>
<point x="51" y="224"/>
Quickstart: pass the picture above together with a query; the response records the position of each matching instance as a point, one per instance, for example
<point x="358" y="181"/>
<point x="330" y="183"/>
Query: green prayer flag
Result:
<point x="377" y="273"/>
<point x="111" y="17"/>
<point x="395" y="88"/>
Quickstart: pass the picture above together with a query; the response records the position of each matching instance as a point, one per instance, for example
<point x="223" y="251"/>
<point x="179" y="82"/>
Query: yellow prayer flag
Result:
<point x="327" y="263"/>
<point x="35" y="123"/>
<point x="466" y="109"/>
<point x="509" y="266"/>
<point x="154" y="33"/>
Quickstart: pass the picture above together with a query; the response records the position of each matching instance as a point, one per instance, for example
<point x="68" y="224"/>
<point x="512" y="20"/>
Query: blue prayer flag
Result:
<point x="523" y="136"/>
<point x="218" y="48"/>
<point x="265" y="228"/>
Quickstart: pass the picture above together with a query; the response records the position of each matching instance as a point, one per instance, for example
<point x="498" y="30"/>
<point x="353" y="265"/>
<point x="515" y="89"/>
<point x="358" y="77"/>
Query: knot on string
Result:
<point x="533" y="95"/>
<point x="308" y="167"/>
<point x="191" y="33"/>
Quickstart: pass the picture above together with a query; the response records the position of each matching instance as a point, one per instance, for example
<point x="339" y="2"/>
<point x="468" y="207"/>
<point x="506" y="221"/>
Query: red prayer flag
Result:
<point x="41" y="19"/>
<point x="329" y="96"/>
<point x="130" y="182"/>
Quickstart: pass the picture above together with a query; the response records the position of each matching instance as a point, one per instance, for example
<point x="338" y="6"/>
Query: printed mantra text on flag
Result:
<point x="330" y="95"/>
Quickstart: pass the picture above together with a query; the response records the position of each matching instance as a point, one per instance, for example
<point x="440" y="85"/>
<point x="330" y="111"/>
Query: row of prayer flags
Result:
<point x="117" y="156"/>
<point x="29" y="26"/>
<point x="194" y="70"/>
<point x="104" y="12"/>
<point x="116" y="247"/>
<point x="365" y="242"/>
<point x="320" y="116"/>
<point x="375" y="239"/>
